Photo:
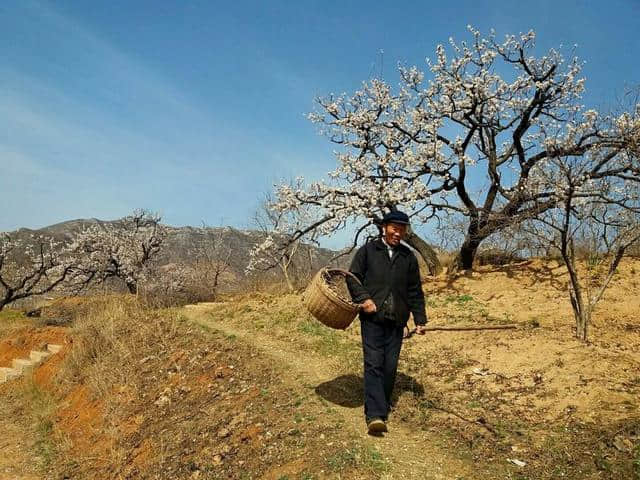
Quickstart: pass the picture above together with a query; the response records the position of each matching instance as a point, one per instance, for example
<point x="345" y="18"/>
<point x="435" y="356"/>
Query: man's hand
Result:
<point x="368" y="306"/>
<point x="421" y="329"/>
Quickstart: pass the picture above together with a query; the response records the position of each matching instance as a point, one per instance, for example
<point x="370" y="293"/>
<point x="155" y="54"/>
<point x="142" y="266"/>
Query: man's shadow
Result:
<point x="348" y="390"/>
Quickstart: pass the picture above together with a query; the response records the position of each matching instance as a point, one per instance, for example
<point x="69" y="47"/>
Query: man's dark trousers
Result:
<point x="381" y="344"/>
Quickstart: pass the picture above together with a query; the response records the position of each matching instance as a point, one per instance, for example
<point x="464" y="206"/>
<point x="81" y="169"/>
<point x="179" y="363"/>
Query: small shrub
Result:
<point x="533" y="322"/>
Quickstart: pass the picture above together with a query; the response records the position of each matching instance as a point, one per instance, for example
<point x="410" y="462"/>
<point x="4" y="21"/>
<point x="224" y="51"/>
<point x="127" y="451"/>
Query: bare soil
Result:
<point x="534" y="394"/>
<point x="254" y="388"/>
<point x="19" y="459"/>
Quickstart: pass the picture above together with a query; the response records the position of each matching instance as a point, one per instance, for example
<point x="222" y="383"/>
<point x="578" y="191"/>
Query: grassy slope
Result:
<point x="147" y="394"/>
<point x="534" y="394"/>
<point x="254" y="388"/>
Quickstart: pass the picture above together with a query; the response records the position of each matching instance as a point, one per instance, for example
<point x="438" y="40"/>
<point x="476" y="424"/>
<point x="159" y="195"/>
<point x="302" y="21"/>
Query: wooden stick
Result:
<point x="473" y="327"/>
<point x="463" y="328"/>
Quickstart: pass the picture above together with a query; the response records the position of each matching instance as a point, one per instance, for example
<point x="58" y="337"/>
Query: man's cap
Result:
<point x="396" y="217"/>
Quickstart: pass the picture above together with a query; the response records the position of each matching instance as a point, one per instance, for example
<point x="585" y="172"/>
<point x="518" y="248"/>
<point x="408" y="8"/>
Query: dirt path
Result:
<point x="411" y="454"/>
<point x="18" y="460"/>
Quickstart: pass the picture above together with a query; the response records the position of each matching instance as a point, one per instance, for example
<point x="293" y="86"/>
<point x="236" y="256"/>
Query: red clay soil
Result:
<point x="19" y="344"/>
<point x="80" y="419"/>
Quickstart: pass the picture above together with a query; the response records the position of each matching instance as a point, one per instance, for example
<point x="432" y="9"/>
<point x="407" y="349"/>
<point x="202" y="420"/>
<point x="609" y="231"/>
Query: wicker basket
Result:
<point x="325" y="304"/>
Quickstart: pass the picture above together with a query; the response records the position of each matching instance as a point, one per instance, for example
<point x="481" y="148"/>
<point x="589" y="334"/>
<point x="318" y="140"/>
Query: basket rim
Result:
<point x="330" y="294"/>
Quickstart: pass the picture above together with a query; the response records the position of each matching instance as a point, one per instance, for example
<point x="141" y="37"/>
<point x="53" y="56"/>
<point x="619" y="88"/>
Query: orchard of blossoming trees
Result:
<point x="484" y="137"/>
<point x="40" y="264"/>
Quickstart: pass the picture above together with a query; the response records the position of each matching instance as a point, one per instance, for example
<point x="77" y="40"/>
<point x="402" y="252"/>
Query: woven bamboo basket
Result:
<point x="325" y="304"/>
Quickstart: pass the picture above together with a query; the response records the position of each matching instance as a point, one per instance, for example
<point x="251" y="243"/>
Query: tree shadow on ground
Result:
<point x="532" y="274"/>
<point x="348" y="390"/>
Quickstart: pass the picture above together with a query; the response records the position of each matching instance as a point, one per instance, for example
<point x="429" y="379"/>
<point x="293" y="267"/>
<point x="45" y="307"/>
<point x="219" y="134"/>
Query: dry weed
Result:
<point x="151" y="395"/>
<point x="114" y="333"/>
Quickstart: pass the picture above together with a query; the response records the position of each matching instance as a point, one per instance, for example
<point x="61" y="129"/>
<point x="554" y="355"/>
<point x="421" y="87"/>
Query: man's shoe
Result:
<point x="376" y="426"/>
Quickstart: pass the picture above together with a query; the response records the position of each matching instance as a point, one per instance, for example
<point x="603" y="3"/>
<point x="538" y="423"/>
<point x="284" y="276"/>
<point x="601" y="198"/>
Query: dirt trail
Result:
<point x="412" y="454"/>
<point x="18" y="460"/>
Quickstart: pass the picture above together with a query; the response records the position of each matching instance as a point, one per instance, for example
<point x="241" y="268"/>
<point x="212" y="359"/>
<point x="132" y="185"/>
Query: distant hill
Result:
<point x="182" y="243"/>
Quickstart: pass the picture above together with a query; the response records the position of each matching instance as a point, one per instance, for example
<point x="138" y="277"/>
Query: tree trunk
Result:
<point x="132" y="287"/>
<point x="467" y="253"/>
<point x="425" y="250"/>
<point x="285" y="272"/>
<point x="582" y="325"/>
<point x="581" y="312"/>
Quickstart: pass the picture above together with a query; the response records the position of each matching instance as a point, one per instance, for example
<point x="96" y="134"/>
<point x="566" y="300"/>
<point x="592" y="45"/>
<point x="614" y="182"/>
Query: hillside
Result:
<point x="183" y="243"/>
<point x="253" y="387"/>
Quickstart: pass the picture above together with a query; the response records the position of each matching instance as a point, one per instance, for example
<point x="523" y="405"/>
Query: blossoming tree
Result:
<point x="32" y="266"/>
<point x="470" y="141"/>
<point x="119" y="249"/>
<point x="279" y="248"/>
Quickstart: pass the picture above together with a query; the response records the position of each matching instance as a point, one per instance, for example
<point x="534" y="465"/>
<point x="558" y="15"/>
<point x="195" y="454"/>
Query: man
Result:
<point x="390" y="290"/>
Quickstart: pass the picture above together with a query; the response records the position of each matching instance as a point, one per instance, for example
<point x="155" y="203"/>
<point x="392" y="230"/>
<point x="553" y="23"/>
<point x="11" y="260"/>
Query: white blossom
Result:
<point x="416" y="147"/>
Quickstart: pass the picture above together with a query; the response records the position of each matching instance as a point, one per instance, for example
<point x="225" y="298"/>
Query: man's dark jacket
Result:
<point x="381" y="275"/>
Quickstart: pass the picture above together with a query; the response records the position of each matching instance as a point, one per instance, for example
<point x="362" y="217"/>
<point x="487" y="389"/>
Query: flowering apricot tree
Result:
<point x="32" y="266"/>
<point x="479" y="139"/>
<point x="119" y="249"/>
<point x="278" y="248"/>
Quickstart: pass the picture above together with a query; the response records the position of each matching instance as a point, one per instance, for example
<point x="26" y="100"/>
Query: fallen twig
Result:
<point x="481" y="421"/>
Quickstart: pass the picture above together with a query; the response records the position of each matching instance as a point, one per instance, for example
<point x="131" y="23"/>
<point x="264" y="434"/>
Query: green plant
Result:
<point x="8" y="315"/>
<point x="459" y="300"/>
<point x="533" y="322"/>
<point x="327" y="341"/>
<point x="342" y="459"/>
<point x="367" y="457"/>
<point x="374" y="460"/>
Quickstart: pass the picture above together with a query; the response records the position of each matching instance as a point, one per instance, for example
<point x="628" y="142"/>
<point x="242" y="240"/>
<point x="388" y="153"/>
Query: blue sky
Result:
<point x="195" y="108"/>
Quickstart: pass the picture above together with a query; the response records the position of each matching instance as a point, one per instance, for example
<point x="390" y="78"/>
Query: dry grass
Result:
<point x="568" y="409"/>
<point x="111" y="333"/>
<point x="70" y="308"/>
<point x="145" y="394"/>
<point x="11" y="320"/>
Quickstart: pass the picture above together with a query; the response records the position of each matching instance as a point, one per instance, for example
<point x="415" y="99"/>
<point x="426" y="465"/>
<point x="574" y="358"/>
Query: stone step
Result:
<point x="7" y="374"/>
<point x="38" y="356"/>
<point x="22" y="364"/>
<point x="53" y="348"/>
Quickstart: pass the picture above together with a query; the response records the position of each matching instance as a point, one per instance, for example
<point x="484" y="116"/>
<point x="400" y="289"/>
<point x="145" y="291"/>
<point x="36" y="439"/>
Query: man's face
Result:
<point x="393" y="233"/>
